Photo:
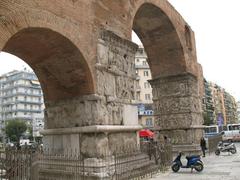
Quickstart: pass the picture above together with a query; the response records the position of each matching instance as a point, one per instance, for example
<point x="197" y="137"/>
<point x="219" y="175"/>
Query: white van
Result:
<point x="233" y="135"/>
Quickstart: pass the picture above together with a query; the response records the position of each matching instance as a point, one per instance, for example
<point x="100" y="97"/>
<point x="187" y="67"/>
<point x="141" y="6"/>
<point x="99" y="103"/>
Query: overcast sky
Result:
<point x="9" y="62"/>
<point x="217" y="31"/>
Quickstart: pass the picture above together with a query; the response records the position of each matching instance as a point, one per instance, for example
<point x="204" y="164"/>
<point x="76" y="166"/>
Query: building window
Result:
<point x="137" y="60"/>
<point x="149" y="122"/>
<point x="144" y="62"/>
<point x="146" y="85"/>
<point x="147" y="97"/>
<point x="145" y="73"/>
<point x="138" y="96"/>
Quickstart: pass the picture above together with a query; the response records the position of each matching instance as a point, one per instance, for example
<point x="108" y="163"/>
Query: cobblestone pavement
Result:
<point x="223" y="167"/>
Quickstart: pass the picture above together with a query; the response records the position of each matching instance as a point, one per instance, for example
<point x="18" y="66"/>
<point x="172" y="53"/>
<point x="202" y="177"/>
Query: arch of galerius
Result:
<point x="83" y="56"/>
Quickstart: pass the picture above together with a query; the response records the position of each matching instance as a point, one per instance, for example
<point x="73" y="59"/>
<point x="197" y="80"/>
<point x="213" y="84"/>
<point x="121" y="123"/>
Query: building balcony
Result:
<point x="21" y="110"/>
<point x="22" y="101"/>
<point x="142" y="66"/>
<point x="21" y="93"/>
<point x="209" y="105"/>
<point x="208" y="92"/>
<point x="21" y="85"/>
<point x="20" y="75"/>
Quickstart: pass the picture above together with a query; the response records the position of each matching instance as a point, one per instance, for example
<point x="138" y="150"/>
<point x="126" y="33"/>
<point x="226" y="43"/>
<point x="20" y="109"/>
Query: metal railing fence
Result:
<point x="50" y="164"/>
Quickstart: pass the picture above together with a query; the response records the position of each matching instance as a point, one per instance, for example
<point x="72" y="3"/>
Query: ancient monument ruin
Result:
<point x="82" y="53"/>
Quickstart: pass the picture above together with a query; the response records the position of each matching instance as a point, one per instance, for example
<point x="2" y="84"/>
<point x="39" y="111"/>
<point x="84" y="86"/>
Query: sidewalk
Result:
<point x="223" y="167"/>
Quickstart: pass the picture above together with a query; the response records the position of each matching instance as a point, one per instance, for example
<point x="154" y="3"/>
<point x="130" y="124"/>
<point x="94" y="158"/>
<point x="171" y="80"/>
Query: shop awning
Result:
<point x="146" y="133"/>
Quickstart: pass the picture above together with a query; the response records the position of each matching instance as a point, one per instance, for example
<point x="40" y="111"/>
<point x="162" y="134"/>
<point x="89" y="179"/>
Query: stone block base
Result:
<point x="184" y="136"/>
<point x="92" y="141"/>
<point x="184" y="140"/>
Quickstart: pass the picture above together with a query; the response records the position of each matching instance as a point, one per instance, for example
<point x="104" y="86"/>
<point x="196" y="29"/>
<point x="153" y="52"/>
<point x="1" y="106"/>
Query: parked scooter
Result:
<point x="225" y="147"/>
<point x="193" y="162"/>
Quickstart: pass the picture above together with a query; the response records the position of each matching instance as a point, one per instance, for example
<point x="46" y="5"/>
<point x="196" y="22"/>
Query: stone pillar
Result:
<point x="104" y="123"/>
<point x="107" y="120"/>
<point x="177" y="107"/>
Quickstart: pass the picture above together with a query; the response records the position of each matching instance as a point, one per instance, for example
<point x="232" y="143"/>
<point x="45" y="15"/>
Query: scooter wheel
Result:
<point x="175" y="167"/>
<point x="217" y="152"/>
<point x="198" y="166"/>
<point x="233" y="151"/>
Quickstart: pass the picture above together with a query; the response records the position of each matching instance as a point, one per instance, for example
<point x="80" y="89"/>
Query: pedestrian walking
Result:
<point x="203" y="145"/>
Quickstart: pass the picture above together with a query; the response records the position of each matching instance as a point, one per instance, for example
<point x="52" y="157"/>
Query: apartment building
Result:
<point x="219" y="112"/>
<point x="238" y="111"/>
<point x="144" y="89"/>
<point x="230" y="108"/>
<point x="208" y="105"/>
<point x="219" y="106"/>
<point x="21" y="97"/>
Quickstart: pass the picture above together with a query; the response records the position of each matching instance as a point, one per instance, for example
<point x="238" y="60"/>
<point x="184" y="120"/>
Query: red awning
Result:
<point x="146" y="133"/>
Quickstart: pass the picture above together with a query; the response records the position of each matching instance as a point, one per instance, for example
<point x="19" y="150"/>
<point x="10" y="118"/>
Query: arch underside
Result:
<point x="59" y="65"/>
<point x="160" y="40"/>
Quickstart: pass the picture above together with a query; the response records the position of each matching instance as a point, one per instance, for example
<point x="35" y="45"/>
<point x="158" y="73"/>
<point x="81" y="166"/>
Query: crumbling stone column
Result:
<point x="177" y="107"/>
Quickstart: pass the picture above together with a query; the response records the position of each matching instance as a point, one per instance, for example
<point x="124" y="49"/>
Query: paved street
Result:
<point x="223" y="167"/>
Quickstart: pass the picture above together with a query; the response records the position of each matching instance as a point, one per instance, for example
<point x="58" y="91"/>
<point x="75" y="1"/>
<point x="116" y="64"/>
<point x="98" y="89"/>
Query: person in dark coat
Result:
<point x="203" y="145"/>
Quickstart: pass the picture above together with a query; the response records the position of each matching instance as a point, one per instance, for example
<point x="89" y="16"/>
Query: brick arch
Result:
<point x="161" y="40"/>
<point x="170" y="47"/>
<point x="50" y="50"/>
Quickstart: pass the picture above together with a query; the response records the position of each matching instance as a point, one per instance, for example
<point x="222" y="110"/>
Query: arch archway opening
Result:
<point x="60" y="66"/>
<point x="21" y="101"/>
<point x="143" y="86"/>
<point x="61" y="69"/>
<point x="160" y="39"/>
<point x="176" y="104"/>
